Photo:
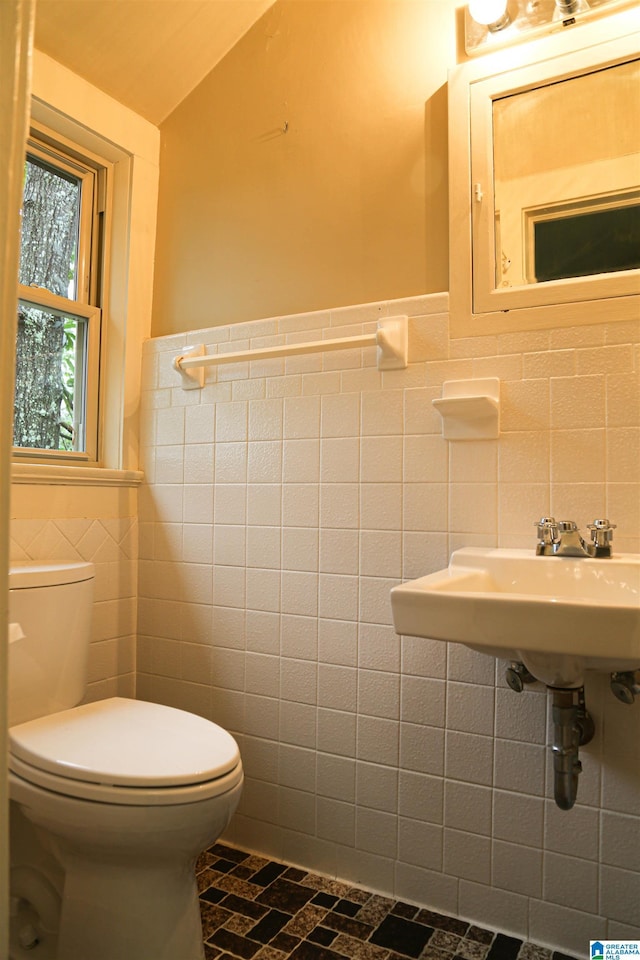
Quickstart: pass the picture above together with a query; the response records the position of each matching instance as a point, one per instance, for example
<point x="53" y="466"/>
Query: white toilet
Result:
<point x="111" y="802"/>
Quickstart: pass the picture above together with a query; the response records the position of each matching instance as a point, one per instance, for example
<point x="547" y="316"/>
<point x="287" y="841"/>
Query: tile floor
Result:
<point x="258" y="909"/>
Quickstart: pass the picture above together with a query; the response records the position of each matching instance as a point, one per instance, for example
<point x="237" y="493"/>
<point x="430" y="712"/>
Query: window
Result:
<point x="598" y="235"/>
<point x="59" y="308"/>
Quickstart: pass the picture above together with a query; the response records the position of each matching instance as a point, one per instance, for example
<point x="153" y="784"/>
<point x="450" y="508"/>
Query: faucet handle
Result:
<point x="602" y="532"/>
<point x="567" y="526"/>
<point x="547" y="530"/>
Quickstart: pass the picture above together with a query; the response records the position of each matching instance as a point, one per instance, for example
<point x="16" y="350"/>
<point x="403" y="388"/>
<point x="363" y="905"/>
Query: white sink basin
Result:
<point x="558" y="615"/>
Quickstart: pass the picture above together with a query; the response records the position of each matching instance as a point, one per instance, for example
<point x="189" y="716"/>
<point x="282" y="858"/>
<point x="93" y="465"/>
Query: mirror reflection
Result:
<point x="567" y="178"/>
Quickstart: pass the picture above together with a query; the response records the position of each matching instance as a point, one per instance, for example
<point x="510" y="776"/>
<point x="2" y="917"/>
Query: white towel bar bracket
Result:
<point x="391" y="340"/>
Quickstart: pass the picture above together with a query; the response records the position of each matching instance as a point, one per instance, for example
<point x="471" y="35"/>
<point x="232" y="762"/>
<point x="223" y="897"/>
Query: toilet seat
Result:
<point x="127" y="752"/>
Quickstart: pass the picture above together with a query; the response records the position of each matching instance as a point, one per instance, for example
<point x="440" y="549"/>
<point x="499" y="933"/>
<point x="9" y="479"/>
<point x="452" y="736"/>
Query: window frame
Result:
<point x="93" y="172"/>
<point x="41" y="298"/>
<point x="65" y="103"/>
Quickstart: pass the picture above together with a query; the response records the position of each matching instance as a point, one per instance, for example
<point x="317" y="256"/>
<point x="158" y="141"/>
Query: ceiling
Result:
<point x="147" y="54"/>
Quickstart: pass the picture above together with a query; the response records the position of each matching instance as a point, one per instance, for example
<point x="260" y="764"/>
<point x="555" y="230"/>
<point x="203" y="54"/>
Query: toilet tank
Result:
<point x="50" y="608"/>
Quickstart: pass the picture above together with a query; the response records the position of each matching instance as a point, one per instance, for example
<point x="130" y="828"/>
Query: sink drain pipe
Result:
<point x="572" y="728"/>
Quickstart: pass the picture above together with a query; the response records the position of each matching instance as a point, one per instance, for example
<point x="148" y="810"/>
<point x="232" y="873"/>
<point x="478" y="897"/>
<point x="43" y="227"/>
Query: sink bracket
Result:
<point x="626" y="685"/>
<point x="517" y="676"/>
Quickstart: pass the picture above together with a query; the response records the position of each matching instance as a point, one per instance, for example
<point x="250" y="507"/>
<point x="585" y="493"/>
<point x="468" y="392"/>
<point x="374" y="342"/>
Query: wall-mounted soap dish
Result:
<point x="470" y="409"/>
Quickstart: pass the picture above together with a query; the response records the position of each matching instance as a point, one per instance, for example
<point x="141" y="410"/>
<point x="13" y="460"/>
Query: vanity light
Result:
<point x="490" y="13"/>
<point x="568" y="8"/>
<point x="490" y="24"/>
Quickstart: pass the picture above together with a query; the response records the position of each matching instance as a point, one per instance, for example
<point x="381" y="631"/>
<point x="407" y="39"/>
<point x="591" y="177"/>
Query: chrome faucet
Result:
<point x="561" y="538"/>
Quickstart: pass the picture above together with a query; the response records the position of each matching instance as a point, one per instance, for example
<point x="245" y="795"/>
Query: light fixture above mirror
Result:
<point x="492" y="14"/>
<point x="490" y="24"/>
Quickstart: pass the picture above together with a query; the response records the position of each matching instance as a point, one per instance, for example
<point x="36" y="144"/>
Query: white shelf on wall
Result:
<point x="470" y="409"/>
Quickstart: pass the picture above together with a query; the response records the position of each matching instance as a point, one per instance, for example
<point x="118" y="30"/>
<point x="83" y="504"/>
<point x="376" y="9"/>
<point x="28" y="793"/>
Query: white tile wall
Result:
<point x="284" y="500"/>
<point x="112" y="546"/>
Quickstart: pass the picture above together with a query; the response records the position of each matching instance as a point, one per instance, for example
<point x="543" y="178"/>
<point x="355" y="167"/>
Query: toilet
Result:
<point x="111" y="802"/>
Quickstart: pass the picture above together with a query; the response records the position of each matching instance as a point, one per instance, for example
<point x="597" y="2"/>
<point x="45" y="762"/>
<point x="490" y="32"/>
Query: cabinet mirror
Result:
<point x="545" y="182"/>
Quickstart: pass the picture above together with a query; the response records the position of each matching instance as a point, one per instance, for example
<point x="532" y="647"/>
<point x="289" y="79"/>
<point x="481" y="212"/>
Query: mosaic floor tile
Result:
<point x="258" y="909"/>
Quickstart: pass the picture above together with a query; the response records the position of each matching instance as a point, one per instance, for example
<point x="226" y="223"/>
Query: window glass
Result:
<point x="50" y="222"/>
<point x="592" y="241"/>
<point x="50" y="379"/>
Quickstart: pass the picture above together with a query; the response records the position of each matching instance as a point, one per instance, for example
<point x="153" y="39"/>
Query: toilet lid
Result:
<point x="125" y="742"/>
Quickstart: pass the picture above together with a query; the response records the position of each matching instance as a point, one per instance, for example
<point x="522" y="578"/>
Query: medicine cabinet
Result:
<point x="544" y="182"/>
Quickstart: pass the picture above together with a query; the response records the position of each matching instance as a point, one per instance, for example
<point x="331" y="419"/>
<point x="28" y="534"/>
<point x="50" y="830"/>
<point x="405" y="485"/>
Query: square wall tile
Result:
<point x="377" y="786"/>
<point x="336" y="777"/>
<point x="336" y="821"/>
<point x="337" y="687"/>
<point x="467" y="856"/>
<point x="301" y="461"/>
<point x="420" y="843"/>
<point x="470" y="708"/>
<point x="298" y="724"/>
<point x="299" y="549"/>
<point x="518" y="815"/>
<point x="380" y="506"/>
<point x="423" y="701"/>
<point x="381" y="459"/>
<point x="377" y="832"/>
<point x="338" y="642"/>
<point x="425" y="459"/>
<point x="577" y="402"/>
<point x="578" y="456"/>
<point x="379" y="694"/>
<point x="420" y="796"/>
<point x="378" y="740"/>
<point x="571" y="882"/>
<point x="337" y="597"/>
<point x="340" y="460"/>
<point x="422" y="749"/>
<point x="520" y="767"/>
<point x="301" y="417"/>
<point x="339" y="551"/>
<point x="382" y="413"/>
<point x="517" y="868"/>
<point x="469" y="757"/>
<point x="337" y="732"/>
<point x="521" y="716"/>
<point x="341" y="415"/>
<point x="467" y="807"/>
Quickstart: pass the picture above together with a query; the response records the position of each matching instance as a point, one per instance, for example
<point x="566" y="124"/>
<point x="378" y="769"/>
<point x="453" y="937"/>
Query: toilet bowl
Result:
<point x="111" y="803"/>
<point x="127" y="793"/>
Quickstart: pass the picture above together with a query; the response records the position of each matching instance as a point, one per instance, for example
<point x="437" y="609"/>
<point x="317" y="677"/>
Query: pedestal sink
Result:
<point x="559" y="616"/>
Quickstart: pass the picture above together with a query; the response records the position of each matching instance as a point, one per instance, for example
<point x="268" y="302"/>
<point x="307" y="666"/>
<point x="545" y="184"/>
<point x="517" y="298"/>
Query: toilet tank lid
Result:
<point x="31" y="573"/>
<point x="124" y="742"/>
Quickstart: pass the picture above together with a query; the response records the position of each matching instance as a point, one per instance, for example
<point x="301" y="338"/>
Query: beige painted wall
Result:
<point x="348" y="205"/>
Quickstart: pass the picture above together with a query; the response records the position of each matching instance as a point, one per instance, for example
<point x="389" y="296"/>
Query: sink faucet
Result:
<point x="561" y="538"/>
